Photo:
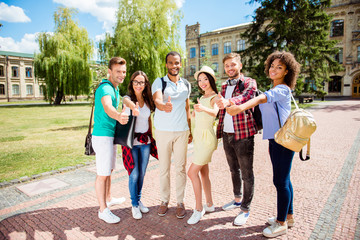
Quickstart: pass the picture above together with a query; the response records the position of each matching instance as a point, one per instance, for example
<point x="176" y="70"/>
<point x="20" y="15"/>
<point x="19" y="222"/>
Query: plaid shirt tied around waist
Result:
<point x="244" y="122"/>
<point x="128" y="159"/>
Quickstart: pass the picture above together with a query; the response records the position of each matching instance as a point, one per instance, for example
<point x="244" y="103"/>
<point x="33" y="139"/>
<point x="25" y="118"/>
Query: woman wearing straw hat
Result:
<point x="205" y="142"/>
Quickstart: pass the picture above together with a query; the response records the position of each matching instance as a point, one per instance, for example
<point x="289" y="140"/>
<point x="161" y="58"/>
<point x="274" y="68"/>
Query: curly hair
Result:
<point x="146" y="93"/>
<point x="291" y="64"/>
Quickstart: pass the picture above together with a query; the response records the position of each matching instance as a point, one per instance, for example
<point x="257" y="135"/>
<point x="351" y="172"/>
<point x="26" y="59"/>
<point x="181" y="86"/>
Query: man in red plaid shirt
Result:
<point x="238" y="135"/>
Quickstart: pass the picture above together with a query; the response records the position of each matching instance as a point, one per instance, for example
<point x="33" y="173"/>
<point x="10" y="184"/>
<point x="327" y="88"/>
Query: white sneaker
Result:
<point x="241" y="218"/>
<point x="143" y="209"/>
<point x="108" y="216"/>
<point x="136" y="213"/>
<point x="290" y="222"/>
<point x="196" y="216"/>
<point x="115" y="201"/>
<point x="209" y="209"/>
<point x="231" y="205"/>
<point x="275" y="230"/>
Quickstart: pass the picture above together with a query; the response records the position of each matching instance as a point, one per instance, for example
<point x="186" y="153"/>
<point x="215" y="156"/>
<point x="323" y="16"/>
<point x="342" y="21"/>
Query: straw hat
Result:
<point x="205" y="69"/>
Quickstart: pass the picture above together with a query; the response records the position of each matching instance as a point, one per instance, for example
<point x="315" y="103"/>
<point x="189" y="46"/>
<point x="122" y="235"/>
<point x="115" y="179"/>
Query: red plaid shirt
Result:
<point x="128" y="159"/>
<point x="244" y="123"/>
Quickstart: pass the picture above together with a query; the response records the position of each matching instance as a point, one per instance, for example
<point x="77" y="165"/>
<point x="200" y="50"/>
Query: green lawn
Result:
<point x="36" y="139"/>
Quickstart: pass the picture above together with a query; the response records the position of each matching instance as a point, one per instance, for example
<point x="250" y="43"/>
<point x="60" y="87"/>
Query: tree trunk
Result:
<point x="59" y="97"/>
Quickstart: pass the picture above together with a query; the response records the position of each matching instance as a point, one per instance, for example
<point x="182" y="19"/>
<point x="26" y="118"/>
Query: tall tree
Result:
<point x="146" y="30"/>
<point x="298" y="26"/>
<point x="63" y="61"/>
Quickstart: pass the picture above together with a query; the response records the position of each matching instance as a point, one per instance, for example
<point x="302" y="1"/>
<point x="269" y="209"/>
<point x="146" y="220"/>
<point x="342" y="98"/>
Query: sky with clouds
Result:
<point x="22" y="20"/>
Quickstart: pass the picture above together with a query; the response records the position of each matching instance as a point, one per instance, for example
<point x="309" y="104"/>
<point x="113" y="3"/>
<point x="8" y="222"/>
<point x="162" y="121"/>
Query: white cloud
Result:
<point x="12" y="14"/>
<point x="179" y="3"/>
<point x="27" y="44"/>
<point x="103" y="10"/>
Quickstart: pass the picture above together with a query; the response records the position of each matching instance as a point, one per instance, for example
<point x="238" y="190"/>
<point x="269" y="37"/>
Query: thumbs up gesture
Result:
<point x="168" y="105"/>
<point x="221" y="102"/>
<point x="123" y="116"/>
<point x="233" y="109"/>
<point x="198" y="107"/>
<point x="135" y="111"/>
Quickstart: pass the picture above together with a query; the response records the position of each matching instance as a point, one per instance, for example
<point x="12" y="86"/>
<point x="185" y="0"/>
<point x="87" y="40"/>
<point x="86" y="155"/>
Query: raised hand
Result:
<point x="123" y="117"/>
<point x="221" y="102"/>
<point x="135" y="111"/>
<point x="198" y="107"/>
<point x="233" y="109"/>
<point x="168" y="105"/>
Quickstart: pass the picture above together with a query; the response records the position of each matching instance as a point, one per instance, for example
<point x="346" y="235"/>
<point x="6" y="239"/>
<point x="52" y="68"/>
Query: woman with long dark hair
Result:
<point x="139" y="100"/>
<point x="205" y="142"/>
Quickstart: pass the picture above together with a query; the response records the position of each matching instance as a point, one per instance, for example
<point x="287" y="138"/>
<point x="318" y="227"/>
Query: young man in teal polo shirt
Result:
<point x="172" y="130"/>
<point x="107" y="100"/>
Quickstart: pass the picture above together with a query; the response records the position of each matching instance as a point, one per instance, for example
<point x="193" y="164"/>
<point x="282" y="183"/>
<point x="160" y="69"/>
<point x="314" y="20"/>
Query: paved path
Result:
<point x="326" y="188"/>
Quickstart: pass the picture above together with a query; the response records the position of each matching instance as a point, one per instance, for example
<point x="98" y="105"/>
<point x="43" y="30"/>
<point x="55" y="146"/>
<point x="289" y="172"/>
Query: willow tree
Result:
<point x="63" y="61"/>
<point x="145" y="31"/>
<point x="298" y="26"/>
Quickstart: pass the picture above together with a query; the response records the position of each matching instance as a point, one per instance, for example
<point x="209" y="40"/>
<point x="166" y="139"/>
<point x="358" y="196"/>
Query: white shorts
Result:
<point x="105" y="150"/>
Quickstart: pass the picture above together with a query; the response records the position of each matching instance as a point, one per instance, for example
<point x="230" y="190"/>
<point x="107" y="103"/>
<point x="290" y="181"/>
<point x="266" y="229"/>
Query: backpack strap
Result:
<point x="307" y="152"/>
<point x="163" y="83"/>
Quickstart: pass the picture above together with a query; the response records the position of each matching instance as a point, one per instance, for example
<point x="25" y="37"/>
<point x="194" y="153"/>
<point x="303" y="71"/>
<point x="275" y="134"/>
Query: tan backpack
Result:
<point x="296" y="132"/>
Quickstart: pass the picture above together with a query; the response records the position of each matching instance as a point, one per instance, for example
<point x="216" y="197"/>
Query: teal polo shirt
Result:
<point x="103" y="124"/>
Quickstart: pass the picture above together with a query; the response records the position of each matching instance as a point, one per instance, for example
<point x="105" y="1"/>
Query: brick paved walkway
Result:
<point x="326" y="201"/>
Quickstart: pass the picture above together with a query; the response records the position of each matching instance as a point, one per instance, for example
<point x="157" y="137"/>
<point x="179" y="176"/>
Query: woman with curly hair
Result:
<point x="282" y="69"/>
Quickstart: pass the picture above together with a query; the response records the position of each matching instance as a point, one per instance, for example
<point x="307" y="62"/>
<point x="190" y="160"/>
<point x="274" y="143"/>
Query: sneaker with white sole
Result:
<point x="196" y="216"/>
<point x="290" y="221"/>
<point x="275" y="230"/>
<point x="241" y="218"/>
<point x="143" y="209"/>
<point x="209" y="209"/>
<point x="115" y="201"/>
<point x="231" y="205"/>
<point x="108" y="216"/>
<point x="136" y="213"/>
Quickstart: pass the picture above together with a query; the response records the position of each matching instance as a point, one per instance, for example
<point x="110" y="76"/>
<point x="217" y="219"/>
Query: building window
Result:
<point x="335" y="84"/>
<point x="215" y="66"/>
<point x="29" y="89"/>
<point x="192" y="52"/>
<point x="41" y="89"/>
<point x="215" y="49"/>
<point x="227" y="47"/>
<point x="339" y="56"/>
<point x="15" y="89"/>
<point x="202" y="51"/>
<point x="240" y="45"/>
<point x="2" y="89"/>
<point x="337" y="28"/>
<point x="1" y="71"/>
<point x="15" y="71"/>
<point x="310" y="85"/>
<point x="28" y="71"/>
<point x="192" y="69"/>
<point x="358" y="54"/>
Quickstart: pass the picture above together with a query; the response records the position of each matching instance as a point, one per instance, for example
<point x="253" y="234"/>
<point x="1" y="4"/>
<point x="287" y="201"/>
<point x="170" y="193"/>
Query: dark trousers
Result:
<point x="281" y="159"/>
<point x="240" y="156"/>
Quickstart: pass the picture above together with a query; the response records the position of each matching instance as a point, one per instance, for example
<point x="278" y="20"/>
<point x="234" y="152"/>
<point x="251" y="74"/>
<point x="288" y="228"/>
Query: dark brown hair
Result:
<point x="146" y="93"/>
<point x="292" y="66"/>
<point x="116" y="60"/>
<point x="211" y="80"/>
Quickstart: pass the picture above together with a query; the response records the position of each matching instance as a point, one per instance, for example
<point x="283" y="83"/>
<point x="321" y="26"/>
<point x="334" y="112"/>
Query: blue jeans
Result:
<point x="240" y="157"/>
<point x="281" y="159"/>
<point x="141" y="154"/>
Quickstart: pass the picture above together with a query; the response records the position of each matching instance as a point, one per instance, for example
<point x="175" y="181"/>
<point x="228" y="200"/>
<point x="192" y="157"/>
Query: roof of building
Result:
<point x="235" y="26"/>
<point x="17" y="54"/>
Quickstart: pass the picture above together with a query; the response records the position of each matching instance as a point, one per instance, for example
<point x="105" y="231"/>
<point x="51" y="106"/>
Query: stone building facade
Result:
<point x="17" y="80"/>
<point x="345" y="27"/>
